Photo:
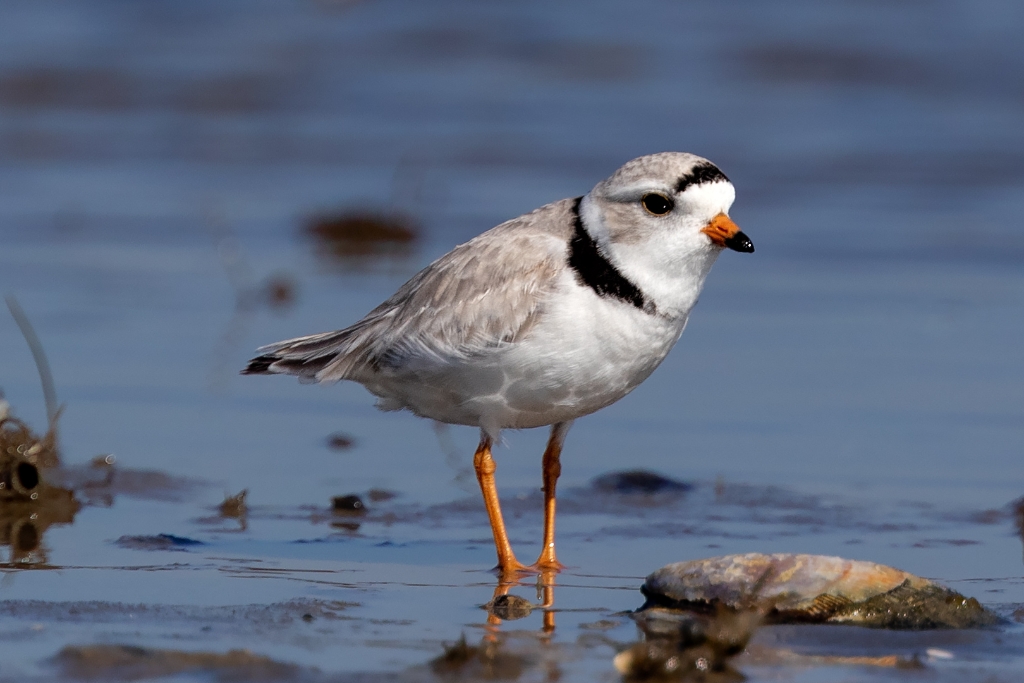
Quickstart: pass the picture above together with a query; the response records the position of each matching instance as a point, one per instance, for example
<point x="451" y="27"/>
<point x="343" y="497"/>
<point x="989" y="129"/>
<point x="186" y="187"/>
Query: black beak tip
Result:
<point x="740" y="242"/>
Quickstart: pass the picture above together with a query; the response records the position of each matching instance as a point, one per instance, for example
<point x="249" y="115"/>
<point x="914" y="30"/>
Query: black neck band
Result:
<point x="596" y="271"/>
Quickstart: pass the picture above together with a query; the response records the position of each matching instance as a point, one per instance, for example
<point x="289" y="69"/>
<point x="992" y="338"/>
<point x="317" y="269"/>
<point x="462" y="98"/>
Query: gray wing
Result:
<point x="483" y="295"/>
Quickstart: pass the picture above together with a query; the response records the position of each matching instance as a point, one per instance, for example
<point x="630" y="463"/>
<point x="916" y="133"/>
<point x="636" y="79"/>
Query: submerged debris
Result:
<point x="17" y="440"/>
<point x="340" y="441"/>
<point x="158" y="542"/>
<point x="791" y="588"/>
<point x="234" y="506"/>
<point x="22" y="455"/>
<point x="347" y="507"/>
<point x="351" y="237"/>
<point x="29" y="504"/>
<point x="639" y="481"/>
<point x="277" y="291"/>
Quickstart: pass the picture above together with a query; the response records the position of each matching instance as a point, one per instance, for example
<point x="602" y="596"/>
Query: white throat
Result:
<point x="670" y="272"/>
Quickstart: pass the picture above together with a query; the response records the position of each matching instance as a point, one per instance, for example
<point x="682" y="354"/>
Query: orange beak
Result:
<point x="724" y="233"/>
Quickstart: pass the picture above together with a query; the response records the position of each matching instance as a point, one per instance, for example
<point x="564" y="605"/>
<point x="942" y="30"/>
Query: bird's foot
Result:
<point x="546" y="564"/>
<point x="511" y="571"/>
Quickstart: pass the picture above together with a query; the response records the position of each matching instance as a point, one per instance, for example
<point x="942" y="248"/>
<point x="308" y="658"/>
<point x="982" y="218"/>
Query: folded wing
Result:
<point x="482" y="296"/>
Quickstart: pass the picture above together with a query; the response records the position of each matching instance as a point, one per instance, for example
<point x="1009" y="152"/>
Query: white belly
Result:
<point x="583" y="354"/>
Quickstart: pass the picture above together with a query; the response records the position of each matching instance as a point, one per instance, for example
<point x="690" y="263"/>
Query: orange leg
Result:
<point x="552" y="470"/>
<point x="484" y="465"/>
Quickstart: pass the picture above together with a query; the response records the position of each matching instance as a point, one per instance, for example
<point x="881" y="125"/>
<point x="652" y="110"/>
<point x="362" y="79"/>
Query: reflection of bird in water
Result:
<point x="541" y="320"/>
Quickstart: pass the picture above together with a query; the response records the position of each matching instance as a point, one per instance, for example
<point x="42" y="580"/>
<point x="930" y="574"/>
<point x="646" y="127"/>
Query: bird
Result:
<point x="539" y="321"/>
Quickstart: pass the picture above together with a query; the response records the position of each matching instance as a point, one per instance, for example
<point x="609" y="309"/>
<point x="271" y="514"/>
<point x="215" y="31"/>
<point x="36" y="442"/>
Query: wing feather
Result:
<point x="481" y="296"/>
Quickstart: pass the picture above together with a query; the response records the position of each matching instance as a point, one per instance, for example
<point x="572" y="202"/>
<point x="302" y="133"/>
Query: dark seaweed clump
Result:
<point x="909" y="608"/>
<point x="22" y="455"/>
<point x="28" y="505"/>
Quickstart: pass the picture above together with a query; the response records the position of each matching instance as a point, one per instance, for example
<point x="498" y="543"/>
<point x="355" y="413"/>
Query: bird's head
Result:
<point x="663" y="219"/>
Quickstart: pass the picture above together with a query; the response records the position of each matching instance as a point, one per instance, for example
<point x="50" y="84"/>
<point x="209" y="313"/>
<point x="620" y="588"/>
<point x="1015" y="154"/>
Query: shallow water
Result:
<point x="852" y="388"/>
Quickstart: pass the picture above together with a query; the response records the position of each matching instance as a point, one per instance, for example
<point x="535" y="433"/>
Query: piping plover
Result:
<point x="543" y="319"/>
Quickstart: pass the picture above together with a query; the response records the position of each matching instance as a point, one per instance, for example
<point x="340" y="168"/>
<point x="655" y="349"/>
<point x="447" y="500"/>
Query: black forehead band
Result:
<point x="704" y="172"/>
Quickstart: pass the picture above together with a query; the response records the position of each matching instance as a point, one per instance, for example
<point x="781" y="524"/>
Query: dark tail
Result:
<point x="260" y="365"/>
<point x="282" y="364"/>
<point x="304" y="356"/>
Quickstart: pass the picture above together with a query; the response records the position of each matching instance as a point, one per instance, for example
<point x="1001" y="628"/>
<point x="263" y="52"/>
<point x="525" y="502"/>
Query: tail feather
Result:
<point x="306" y="356"/>
<point x="261" y="365"/>
<point x="281" y="364"/>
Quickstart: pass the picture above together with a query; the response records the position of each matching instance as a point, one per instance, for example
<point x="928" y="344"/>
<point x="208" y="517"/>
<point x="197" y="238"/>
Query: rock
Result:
<point x="790" y="588"/>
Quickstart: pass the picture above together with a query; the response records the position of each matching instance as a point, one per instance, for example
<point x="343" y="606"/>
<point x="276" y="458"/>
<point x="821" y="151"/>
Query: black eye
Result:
<point x="658" y="204"/>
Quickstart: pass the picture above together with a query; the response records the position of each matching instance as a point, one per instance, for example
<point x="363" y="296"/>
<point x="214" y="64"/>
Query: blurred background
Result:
<point x="181" y="182"/>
